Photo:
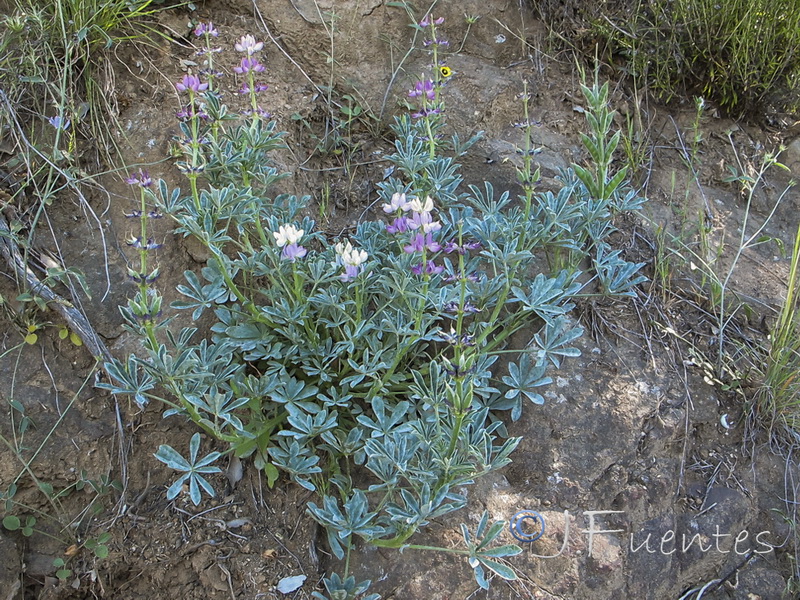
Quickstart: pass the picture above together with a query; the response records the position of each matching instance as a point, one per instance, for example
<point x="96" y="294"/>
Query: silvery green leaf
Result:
<point x="553" y="339"/>
<point x="523" y="377"/>
<point x="503" y="571"/>
<point x="477" y="570"/>
<point x="173" y="459"/>
<point x="287" y="585"/>
<point x="176" y="487"/>
<point x="502" y="551"/>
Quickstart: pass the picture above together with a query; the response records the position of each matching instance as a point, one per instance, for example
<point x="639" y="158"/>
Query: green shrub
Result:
<point x="367" y="368"/>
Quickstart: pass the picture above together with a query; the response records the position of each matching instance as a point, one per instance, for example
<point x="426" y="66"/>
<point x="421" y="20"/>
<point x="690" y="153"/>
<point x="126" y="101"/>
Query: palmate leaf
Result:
<point x="297" y="461"/>
<point x="347" y="589"/>
<point x="480" y="555"/>
<point x="305" y="426"/>
<point x="128" y="378"/>
<point x="383" y="423"/>
<point x="200" y="297"/>
<point x="617" y="276"/>
<point x="553" y="339"/>
<point x="192" y="468"/>
<point x="548" y="296"/>
<point x="356" y="519"/>
<point x="523" y="377"/>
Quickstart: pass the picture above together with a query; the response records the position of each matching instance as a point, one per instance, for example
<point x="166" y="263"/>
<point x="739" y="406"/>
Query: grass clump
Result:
<point x="742" y="54"/>
<point x="779" y="398"/>
<point x="54" y="70"/>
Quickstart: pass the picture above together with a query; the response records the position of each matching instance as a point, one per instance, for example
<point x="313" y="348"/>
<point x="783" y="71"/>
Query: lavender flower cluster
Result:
<point x="426" y="91"/>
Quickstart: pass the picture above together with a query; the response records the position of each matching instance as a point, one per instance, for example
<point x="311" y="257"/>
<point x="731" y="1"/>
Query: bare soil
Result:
<point x="634" y="428"/>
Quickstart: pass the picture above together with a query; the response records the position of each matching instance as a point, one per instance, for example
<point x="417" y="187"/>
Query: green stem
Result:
<point x="455" y="433"/>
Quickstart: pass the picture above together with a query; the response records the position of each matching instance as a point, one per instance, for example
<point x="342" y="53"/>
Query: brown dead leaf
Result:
<point x="269" y="554"/>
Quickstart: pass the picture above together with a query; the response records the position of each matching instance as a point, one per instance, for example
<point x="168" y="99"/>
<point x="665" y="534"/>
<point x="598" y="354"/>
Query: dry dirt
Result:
<point x="632" y="428"/>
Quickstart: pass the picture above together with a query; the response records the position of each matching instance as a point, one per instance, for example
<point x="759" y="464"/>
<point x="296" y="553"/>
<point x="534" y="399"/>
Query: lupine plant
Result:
<point x="372" y="369"/>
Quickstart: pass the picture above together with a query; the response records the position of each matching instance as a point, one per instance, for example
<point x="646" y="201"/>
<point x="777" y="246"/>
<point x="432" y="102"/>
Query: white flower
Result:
<point x="348" y="255"/>
<point x="342" y="247"/>
<point x="420" y="207"/>
<point x="248" y="44"/>
<point x="355" y="257"/>
<point x="287" y="234"/>
<point x="398" y="203"/>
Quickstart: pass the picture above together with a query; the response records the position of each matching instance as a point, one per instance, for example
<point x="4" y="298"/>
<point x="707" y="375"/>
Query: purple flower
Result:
<point x="143" y="277"/>
<point x="471" y="277"/>
<point x="142" y="178"/>
<point x="424" y="112"/>
<point x="211" y="74"/>
<point x="430" y="268"/>
<point x="462" y="249"/>
<point x="191" y="82"/>
<point x="206" y="29"/>
<point x="421" y="242"/>
<point x="350" y="272"/>
<point x="454" y="339"/>
<point x="249" y="64"/>
<point x="453" y="307"/>
<point x="399" y="225"/>
<point x="264" y="114"/>
<point x="423" y="87"/>
<point x="351" y="258"/>
<point x="188" y="169"/>
<point x="459" y="372"/>
<point x="257" y="88"/>
<point x="137" y="214"/>
<point x="204" y="51"/>
<point x="427" y="21"/>
<point x="59" y="122"/>
<point x="136" y="242"/>
<point x="292" y="252"/>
